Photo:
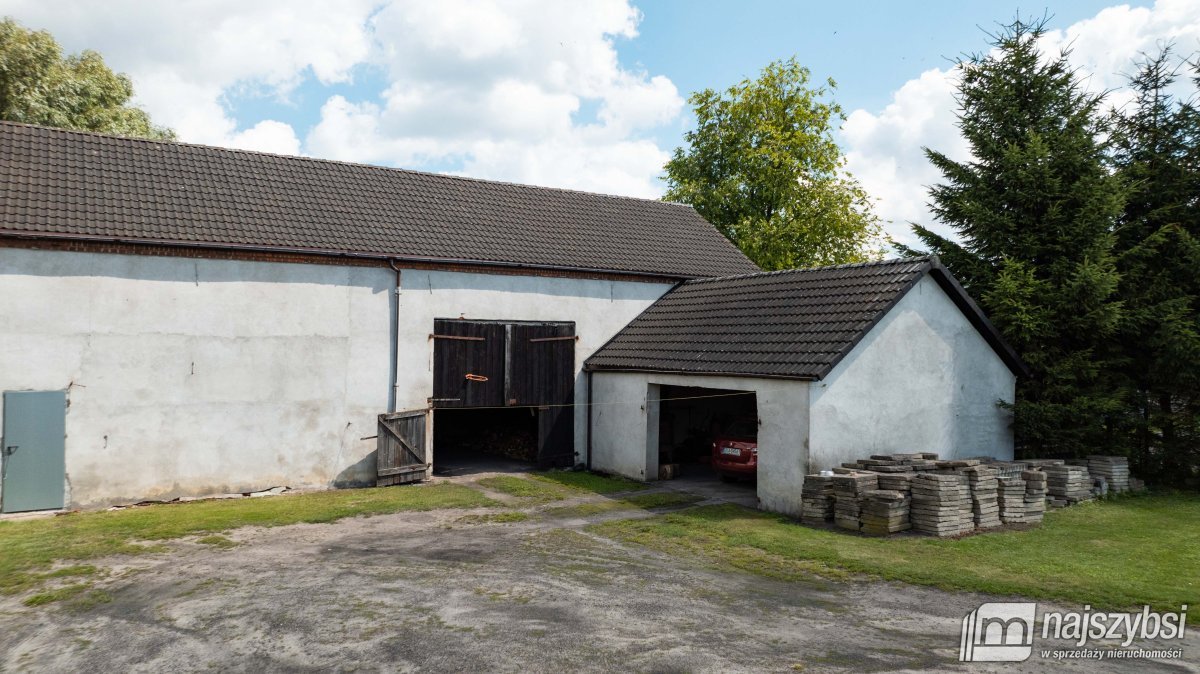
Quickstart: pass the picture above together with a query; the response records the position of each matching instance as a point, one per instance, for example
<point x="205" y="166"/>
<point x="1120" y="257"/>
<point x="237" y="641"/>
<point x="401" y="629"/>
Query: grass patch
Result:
<point x="70" y="571"/>
<point x="1118" y="554"/>
<point x="29" y="546"/>
<point x="558" y="485"/>
<point x="91" y="600"/>
<point x="638" y="501"/>
<point x="217" y="541"/>
<point x="582" y="481"/>
<point x="524" y="488"/>
<point x="494" y="518"/>
<point x="57" y="594"/>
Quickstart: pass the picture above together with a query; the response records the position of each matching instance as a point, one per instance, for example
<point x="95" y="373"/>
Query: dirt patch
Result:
<point x="459" y="590"/>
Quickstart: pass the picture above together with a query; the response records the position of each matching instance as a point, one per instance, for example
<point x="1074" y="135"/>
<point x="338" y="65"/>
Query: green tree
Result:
<point x="762" y="166"/>
<point x="1034" y="211"/>
<point x="38" y="85"/>
<point x="1157" y="152"/>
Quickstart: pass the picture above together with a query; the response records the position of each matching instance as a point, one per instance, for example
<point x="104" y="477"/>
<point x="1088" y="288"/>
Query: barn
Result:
<point x="185" y="320"/>
<point x="830" y="364"/>
<point x="181" y="320"/>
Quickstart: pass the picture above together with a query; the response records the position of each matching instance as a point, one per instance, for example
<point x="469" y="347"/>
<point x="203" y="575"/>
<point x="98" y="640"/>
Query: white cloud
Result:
<point x="185" y="57"/>
<point x="884" y="149"/>
<point x="498" y="88"/>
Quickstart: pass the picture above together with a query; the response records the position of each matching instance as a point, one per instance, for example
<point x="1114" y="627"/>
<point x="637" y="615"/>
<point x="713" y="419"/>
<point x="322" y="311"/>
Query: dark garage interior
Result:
<point x="502" y="395"/>
<point x="690" y="418"/>
<point x="484" y="439"/>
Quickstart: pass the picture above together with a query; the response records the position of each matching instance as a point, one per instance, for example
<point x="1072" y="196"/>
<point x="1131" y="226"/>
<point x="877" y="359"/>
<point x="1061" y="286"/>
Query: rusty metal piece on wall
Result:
<point x="573" y="338"/>
<point x="476" y="377"/>
<point x="459" y="338"/>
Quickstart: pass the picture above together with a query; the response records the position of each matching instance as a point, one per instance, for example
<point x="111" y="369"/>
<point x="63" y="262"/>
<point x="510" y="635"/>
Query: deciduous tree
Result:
<point x="38" y="85"/>
<point x="762" y="165"/>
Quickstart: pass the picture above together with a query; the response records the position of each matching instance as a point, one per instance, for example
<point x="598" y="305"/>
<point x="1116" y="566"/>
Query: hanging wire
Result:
<point x="591" y="404"/>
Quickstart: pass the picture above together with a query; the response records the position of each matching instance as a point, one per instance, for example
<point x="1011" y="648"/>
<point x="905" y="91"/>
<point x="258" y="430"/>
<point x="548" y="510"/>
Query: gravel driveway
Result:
<point x="427" y="592"/>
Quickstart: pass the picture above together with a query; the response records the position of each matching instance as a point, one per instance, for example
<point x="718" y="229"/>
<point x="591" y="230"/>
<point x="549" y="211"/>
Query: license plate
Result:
<point x="731" y="451"/>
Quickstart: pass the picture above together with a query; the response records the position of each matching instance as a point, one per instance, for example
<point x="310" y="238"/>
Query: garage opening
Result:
<point x="484" y="440"/>
<point x="503" y="394"/>
<point x="707" y="433"/>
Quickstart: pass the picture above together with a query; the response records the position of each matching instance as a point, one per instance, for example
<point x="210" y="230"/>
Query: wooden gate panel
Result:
<point x="541" y="364"/>
<point x="400" y="455"/>
<point x="468" y="367"/>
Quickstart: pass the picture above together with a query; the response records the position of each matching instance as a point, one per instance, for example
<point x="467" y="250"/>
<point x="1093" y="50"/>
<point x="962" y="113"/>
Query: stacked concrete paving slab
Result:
<point x="1035" y="496"/>
<point x="816" y="499"/>
<point x="1114" y="470"/>
<point x="985" y="504"/>
<point x="848" y="497"/>
<point x="1067" y="485"/>
<point x="939" y="501"/>
<point x="1012" y="500"/>
<point x="884" y="512"/>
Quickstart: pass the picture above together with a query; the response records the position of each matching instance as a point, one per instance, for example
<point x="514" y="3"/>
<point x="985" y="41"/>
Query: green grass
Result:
<point x="217" y="541"/>
<point x="1117" y="554"/>
<point x="557" y="485"/>
<point x="589" y="482"/>
<point x="533" y="491"/>
<point x="29" y="547"/>
<point x="57" y="594"/>
<point x="636" y="501"/>
<point x="494" y="518"/>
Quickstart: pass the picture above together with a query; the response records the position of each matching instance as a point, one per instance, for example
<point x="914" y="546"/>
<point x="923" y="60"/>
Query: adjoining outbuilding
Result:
<point x="840" y="362"/>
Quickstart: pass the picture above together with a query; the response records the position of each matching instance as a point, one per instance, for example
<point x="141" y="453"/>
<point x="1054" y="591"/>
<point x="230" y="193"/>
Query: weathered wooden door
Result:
<point x="33" y="465"/>
<point x="400" y="455"/>
<point x="511" y="364"/>
<point x="542" y="373"/>
<point x="468" y="368"/>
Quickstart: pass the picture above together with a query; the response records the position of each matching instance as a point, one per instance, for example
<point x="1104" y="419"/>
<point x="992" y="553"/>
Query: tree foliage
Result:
<point x="1034" y="211"/>
<point x="762" y="166"/>
<point x="1157" y="153"/>
<point x="38" y="85"/>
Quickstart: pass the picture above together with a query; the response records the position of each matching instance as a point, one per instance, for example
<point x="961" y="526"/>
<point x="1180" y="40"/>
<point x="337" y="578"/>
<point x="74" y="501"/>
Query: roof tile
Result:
<point x="57" y="182"/>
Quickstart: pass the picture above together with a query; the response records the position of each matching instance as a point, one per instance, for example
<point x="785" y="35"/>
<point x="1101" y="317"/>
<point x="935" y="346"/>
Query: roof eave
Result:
<point x="362" y="255"/>
<point x="978" y="319"/>
<point x="588" y="367"/>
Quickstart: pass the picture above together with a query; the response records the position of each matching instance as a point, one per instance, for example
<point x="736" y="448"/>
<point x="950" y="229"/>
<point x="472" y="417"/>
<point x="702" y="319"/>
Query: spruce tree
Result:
<point x="1157" y="152"/>
<point x="1034" y="212"/>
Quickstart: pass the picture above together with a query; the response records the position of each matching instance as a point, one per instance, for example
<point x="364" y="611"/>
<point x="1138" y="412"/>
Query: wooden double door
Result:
<point x="511" y="364"/>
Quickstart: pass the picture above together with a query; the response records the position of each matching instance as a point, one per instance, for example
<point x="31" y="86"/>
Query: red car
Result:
<point x="735" y="450"/>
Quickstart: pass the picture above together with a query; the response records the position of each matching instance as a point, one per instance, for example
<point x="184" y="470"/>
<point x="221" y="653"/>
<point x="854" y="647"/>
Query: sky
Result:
<point x="585" y="94"/>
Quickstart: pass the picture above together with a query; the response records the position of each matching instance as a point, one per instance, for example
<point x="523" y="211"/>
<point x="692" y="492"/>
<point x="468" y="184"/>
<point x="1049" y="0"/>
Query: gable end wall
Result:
<point x="923" y="379"/>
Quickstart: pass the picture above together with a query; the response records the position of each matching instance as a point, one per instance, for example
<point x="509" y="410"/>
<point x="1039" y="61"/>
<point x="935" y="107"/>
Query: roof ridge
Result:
<point x="801" y="270"/>
<point x="339" y="162"/>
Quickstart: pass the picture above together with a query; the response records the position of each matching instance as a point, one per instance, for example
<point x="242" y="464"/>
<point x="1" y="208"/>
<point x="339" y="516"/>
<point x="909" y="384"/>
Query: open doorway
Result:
<point x="707" y="433"/>
<point x="469" y="441"/>
<point x="503" y="395"/>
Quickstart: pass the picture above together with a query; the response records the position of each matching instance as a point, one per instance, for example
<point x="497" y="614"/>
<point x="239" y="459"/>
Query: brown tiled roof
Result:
<point x="795" y="324"/>
<point x="56" y="184"/>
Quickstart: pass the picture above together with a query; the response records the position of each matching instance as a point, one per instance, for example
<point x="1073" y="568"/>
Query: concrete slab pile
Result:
<point x="939" y="501"/>
<point x="816" y="498"/>
<point x="884" y="512"/>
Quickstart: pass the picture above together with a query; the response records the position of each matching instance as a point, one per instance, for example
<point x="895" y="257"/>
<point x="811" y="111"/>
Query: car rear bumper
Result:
<point x="739" y="468"/>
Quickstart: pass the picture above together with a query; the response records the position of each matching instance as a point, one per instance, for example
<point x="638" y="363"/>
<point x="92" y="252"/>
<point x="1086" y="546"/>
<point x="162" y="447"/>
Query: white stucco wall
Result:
<point x="599" y="309"/>
<point x="193" y="377"/>
<point x="199" y="376"/>
<point x="922" y="380"/>
<point x="625" y="429"/>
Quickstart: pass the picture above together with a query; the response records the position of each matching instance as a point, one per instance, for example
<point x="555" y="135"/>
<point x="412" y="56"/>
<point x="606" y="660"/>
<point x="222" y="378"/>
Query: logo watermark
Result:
<point x="1004" y="632"/>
